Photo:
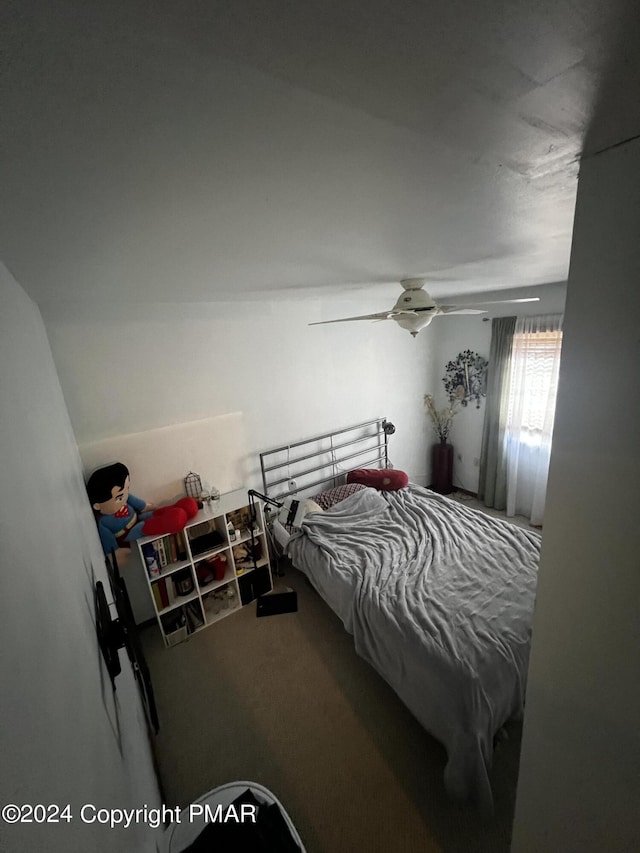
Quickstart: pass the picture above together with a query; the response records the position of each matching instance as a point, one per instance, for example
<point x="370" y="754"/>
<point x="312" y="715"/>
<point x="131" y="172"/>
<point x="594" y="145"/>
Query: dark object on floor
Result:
<point x="442" y="468"/>
<point x="269" y="833"/>
<point x="277" y="602"/>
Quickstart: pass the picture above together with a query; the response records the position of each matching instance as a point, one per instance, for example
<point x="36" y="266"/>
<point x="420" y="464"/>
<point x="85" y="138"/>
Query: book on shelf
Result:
<point x="171" y="590"/>
<point x="173" y="551"/>
<point x="150" y="560"/>
<point x="162" y="558"/>
<point x="162" y="588"/>
<point x="181" y="548"/>
<point x="156" y="596"/>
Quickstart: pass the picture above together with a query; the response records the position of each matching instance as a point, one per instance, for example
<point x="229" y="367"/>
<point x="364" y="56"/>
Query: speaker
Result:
<point x="277" y="602"/>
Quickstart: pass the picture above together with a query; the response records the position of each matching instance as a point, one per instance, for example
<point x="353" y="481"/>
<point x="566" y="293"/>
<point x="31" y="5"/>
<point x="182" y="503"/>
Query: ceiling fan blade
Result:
<point x="450" y="309"/>
<point x="383" y="315"/>
<point x="492" y="302"/>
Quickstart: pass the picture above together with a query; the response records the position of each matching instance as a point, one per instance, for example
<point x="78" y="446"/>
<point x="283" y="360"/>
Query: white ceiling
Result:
<point x="199" y="150"/>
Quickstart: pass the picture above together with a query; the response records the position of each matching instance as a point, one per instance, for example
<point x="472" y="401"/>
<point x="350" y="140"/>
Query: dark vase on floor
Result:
<point x="442" y="473"/>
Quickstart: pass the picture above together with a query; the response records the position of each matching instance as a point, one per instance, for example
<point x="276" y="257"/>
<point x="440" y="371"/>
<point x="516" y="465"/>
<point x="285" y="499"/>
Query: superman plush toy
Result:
<point x="123" y="518"/>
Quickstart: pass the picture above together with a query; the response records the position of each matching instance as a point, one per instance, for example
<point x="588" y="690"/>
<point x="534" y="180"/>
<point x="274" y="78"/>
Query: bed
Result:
<point x="439" y="599"/>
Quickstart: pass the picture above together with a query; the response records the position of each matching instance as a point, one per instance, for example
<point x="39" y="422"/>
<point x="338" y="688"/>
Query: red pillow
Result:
<point x="382" y="479"/>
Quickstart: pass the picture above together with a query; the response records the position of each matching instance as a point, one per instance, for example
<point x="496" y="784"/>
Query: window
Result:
<point x="533" y="385"/>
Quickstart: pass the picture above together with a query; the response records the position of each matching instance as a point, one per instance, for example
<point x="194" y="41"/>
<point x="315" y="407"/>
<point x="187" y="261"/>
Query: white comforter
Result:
<point x="440" y="600"/>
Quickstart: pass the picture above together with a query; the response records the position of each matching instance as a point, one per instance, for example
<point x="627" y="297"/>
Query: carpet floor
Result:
<point x="473" y="502"/>
<point x="285" y="701"/>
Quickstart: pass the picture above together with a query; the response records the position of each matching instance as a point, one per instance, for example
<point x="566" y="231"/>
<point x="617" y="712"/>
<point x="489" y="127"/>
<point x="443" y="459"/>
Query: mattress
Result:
<point x="439" y="599"/>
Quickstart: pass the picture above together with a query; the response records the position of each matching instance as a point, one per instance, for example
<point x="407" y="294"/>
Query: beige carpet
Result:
<point x="285" y="701"/>
<point x="473" y="502"/>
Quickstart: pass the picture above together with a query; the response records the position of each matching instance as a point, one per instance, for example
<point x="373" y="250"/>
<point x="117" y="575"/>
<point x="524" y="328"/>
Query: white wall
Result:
<point x="579" y="785"/>
<point x="127" y="370"/>
<point x="64" y="736"/>
<point x="453" y="336"/>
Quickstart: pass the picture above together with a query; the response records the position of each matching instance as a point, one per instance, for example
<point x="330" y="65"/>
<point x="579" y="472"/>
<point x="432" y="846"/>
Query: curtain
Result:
<point x="492" y="487"/>
<point x="532" y="389"/>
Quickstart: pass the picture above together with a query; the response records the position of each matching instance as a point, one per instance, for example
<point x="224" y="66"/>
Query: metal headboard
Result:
<point x="321" y="460"/>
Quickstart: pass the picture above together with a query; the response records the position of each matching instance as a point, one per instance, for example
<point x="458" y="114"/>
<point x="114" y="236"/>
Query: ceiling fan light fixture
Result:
<point x="414" y="323"/>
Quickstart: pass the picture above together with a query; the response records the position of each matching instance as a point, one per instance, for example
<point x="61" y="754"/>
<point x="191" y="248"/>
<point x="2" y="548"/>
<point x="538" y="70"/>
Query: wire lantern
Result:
<point x="193" y="485"/>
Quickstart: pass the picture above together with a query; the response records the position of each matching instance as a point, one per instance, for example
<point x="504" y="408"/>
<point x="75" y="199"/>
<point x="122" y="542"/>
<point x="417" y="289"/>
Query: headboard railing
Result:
<point x="322" y="454"/>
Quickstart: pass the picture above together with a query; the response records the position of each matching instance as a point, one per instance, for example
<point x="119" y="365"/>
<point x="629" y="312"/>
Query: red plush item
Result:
<point x="382" y="479"/>
<point x="218" y="566"/>
<point x="170" y="519"/>
<point x="212" y="569"/>
<point x="189" y="505"/>
<point x="204" y="573"/>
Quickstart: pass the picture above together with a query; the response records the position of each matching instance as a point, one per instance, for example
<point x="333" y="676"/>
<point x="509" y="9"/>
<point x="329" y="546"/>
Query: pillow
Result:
<point x="326" y="500"/>
<point x="382" y="479"/>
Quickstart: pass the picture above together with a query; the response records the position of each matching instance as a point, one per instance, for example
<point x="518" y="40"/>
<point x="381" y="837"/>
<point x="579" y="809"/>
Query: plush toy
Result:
<point x="123" y="518"/>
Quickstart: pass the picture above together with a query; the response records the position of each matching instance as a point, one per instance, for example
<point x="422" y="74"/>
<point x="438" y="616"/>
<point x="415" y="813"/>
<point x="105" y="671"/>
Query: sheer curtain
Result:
<point x="533" y="385"/>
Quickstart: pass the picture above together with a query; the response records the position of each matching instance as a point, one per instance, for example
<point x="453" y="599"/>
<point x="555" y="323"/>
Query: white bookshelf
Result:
<point x="203" y="574"/>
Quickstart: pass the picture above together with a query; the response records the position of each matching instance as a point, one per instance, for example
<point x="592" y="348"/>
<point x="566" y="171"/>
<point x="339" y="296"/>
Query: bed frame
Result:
<point x="324" y="459"/>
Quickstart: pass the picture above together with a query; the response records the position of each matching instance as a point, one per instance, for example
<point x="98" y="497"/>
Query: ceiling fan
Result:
<point x="415" y="309"/>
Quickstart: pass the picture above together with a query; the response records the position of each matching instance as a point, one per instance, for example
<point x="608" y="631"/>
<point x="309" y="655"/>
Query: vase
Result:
<point x="442" y="468"/>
